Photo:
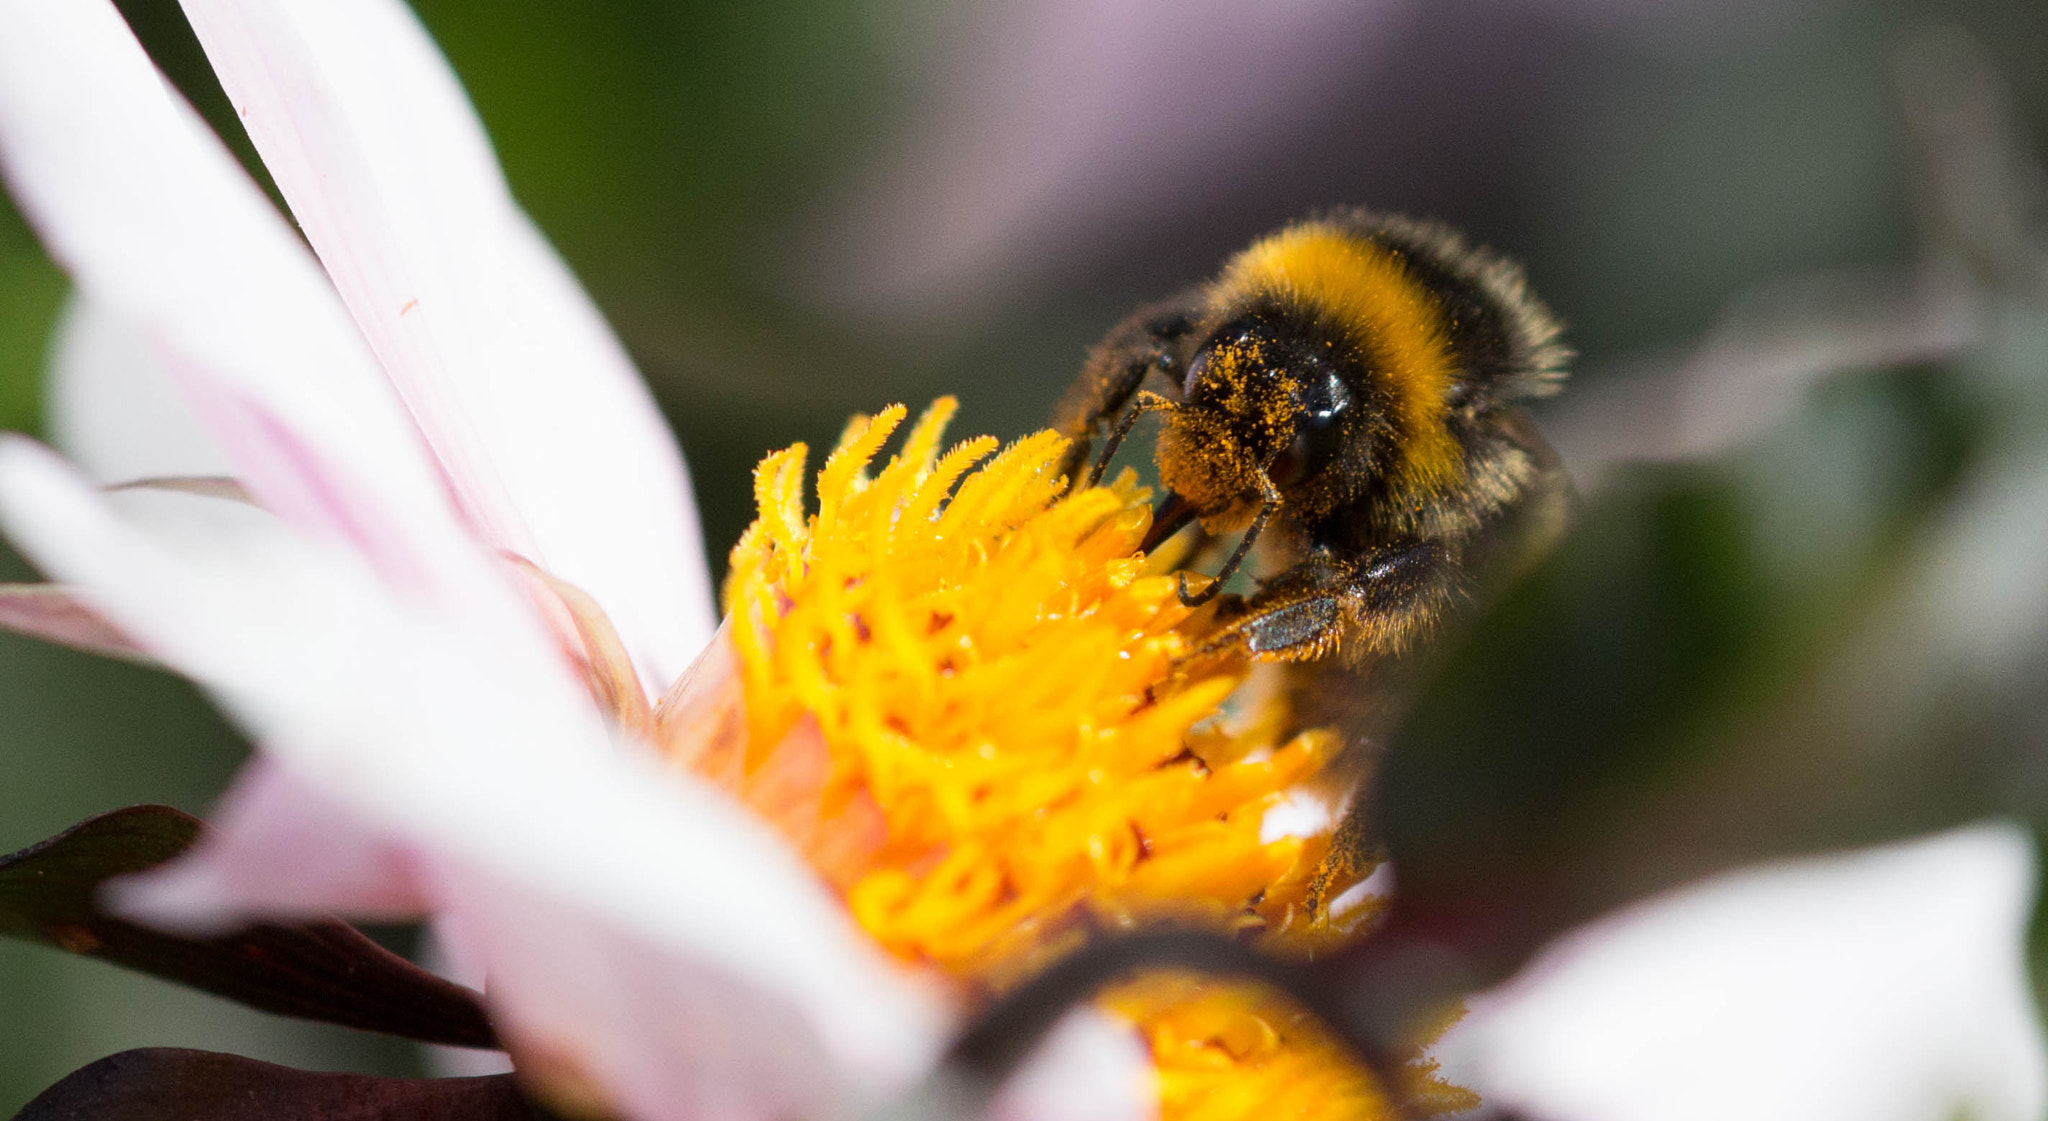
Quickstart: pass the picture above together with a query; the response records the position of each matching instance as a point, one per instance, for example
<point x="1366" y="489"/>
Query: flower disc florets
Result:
<point x="967" y="699"/>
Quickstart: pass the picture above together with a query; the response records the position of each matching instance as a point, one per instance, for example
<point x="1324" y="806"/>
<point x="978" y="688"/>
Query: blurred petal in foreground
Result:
<point x="1883" y="985"/>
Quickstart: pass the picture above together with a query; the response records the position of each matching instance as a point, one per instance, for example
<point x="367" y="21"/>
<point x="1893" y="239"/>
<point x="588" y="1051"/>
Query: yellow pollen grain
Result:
<point x="964" y="701"/>
<point x="1393" y="321"/>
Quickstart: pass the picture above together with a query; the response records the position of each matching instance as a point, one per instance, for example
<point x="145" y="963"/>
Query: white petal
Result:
<point x="158" y="225"/>
<point x="450" y="950"/>
<point x="554" y="446"/>
<point x="113" y="407"/>
<point x="1092" y="1067"/>
<point x="278" y="846"/>
<point x="668" y="1037"/>
<point x="1885" y="985"/>
<point x="457" y="736"/>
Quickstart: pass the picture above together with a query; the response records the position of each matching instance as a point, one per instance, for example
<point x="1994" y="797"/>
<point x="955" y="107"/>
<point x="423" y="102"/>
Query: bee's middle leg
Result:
<point x="1375" y="604"/>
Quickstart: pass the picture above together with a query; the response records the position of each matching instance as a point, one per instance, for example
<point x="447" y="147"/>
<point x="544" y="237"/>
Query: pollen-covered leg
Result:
<point x="1151" y="340"/>
<point x="1375" y="604"/>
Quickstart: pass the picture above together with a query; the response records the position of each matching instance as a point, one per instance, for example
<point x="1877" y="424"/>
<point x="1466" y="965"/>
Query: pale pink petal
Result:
<point x="54" y="613"/>
<point x="1886" y="985"/>
<point x="278" y="845"/>
<point x="457" y="737"/>
<point x="451" y="950"/>
<point x="551" y="440"/>
<point x="159" y="226"/>
<point x="454" y="952"/>
<point x="112" y="406"/>
<point x="606" y="665"/>
<point x="1093" y="1067"/>
<point x="665" y="1037"/>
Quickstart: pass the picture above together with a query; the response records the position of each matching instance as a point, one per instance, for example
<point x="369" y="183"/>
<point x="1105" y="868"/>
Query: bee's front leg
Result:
<point x="1152" y="341"/>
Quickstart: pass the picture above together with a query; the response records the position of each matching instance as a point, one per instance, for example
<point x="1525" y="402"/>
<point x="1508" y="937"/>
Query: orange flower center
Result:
<point x="962" y="692"/>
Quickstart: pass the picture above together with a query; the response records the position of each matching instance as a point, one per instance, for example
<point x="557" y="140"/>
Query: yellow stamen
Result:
<point x="966" y="699"/>
<point x="1228" y="1052"/>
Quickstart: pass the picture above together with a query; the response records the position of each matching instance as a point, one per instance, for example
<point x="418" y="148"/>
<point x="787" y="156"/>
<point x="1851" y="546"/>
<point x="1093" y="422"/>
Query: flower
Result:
<point x="408" y="696"/>
<point x="478" y="563"/>
<point x="453" y="568"/>
<point x="981" y="722"/>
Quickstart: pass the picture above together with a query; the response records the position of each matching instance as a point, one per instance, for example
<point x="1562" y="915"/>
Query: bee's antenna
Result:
<point x="1147" y="402"/>
<point x="1271" y="495"/>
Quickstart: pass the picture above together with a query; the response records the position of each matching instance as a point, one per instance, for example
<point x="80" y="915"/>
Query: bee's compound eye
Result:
<point x="1318" y="430"/>
<point x="1197" y="370"/>
<point x="1323" y="397"/>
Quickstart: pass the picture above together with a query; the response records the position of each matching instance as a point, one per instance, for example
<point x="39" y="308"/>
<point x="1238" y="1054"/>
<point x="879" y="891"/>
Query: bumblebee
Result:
<point x="1346" y="394"/>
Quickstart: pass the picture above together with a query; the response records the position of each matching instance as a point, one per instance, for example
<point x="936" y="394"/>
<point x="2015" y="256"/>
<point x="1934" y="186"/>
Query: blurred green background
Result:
<point x="795" y="209"/>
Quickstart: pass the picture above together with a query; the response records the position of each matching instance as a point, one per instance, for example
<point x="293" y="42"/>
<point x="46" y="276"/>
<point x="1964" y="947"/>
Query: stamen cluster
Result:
<point x="966" y="700"/>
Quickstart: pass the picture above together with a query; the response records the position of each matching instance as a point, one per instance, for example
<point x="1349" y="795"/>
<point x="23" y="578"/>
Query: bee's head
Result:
<point x="1262" y="398"/>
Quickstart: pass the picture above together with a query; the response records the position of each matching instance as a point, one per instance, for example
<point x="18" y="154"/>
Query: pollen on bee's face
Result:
<point x="963" y="693"/>
<point x="1203" y="460"/>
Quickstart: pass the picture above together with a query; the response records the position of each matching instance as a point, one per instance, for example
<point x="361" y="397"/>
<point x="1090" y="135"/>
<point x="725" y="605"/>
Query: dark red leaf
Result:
<point x="325" y="971"/>
<point x="167" y="1084"/>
